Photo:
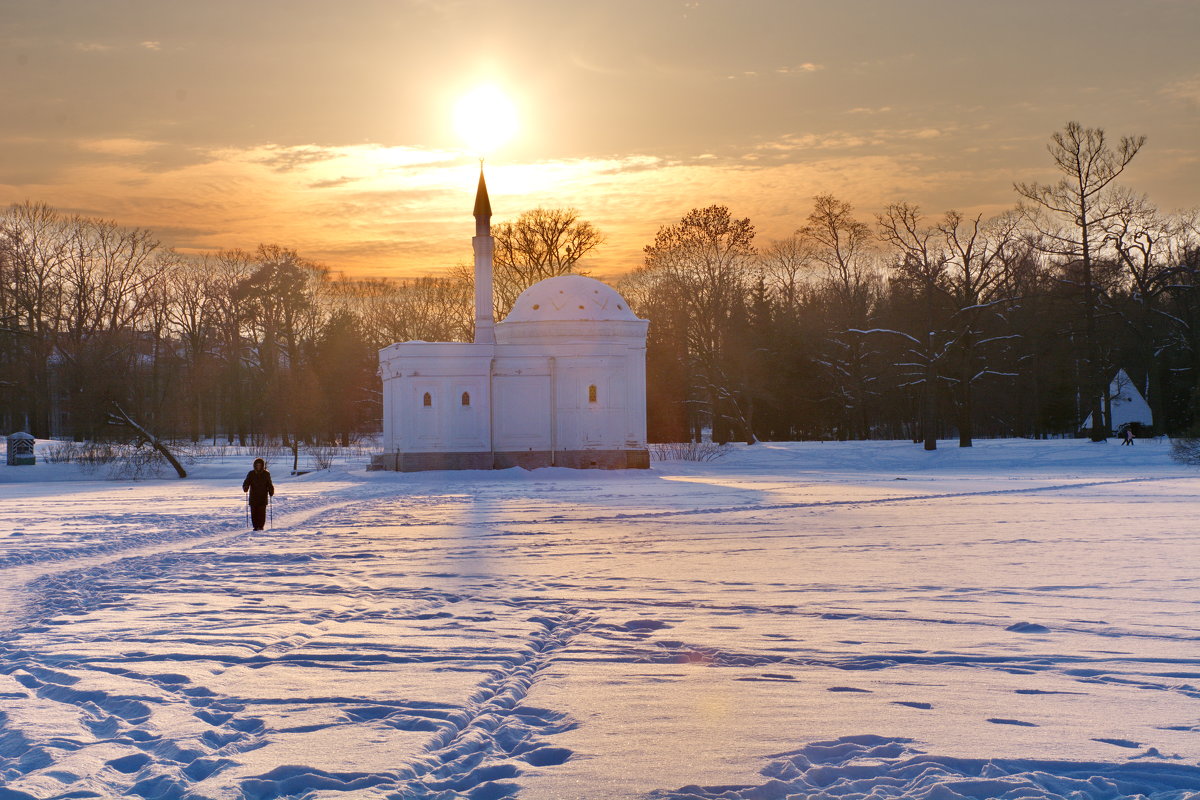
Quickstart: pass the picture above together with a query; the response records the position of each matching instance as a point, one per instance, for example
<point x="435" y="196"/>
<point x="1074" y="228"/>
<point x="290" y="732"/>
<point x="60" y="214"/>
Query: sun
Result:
<point x="485" y="119"/>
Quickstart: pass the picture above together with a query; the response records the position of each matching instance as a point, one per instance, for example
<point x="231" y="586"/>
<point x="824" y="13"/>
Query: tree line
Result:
<point x="244" y="346"/>
<point x="922" y="326"/>
<point x="908" y="325"/>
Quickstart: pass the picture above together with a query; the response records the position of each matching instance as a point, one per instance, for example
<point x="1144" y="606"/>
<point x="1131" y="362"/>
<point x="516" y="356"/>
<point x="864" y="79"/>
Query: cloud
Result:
<point x="288" y="159"/>
<point x="586" y="64"/>
<point x="836" y="140"/>
<point x="331" y="183"/>
<point x="118" y="147"/>
<point x="1186" y="91"/>
<point x="103" y="47"/>
<point x="877" y="138"/>
<point x="800" y="69"/>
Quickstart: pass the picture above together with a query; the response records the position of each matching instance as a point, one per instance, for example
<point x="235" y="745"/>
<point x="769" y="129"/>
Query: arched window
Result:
<point x="427" y="401"/>
<point x="592" y="393"/>
<point x="466" y="398"/>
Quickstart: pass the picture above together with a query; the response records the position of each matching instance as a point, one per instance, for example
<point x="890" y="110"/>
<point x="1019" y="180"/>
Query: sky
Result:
<point x="328" y="127"/>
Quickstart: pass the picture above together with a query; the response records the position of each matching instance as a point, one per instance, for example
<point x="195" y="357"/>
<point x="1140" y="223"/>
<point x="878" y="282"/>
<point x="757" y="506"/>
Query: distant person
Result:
<point x="1128" y="437"/>
<point x="258" y="484"/>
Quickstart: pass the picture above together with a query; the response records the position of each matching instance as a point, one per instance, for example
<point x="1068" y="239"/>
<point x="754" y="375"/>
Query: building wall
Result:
<point x="522" y="398"/>
<point x="443" y="413"/>
<point x="554" y="396"/>
<point x="527" y="459"/>
<point x="423" y="388"/>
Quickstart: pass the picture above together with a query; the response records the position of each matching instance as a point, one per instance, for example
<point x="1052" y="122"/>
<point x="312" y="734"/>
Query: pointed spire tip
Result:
<point x="483" y="206"/>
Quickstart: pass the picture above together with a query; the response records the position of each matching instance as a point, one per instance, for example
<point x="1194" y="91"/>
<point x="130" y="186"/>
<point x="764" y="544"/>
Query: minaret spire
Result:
<point x="483" y="206"/>
<point x="483" y="244"/>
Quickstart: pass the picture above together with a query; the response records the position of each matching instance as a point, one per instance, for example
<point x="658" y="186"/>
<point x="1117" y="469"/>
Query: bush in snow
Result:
<point x="1186" y="449"/>
<point x="322" y="455"/>
<point x="688" y="451"/>
<point x="89" y="455"/>
<point x="122" y="460"/>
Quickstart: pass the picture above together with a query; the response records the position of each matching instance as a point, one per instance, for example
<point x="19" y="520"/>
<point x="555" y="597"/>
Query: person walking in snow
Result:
<point x="1128" y="437"/>
<point x="261" y="490"/>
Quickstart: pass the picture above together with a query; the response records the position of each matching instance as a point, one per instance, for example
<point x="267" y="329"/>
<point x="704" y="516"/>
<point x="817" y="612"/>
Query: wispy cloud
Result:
<point x="331" y="183"/>
<point x="287" y="159"/>
<point x="848" y="140"/>
<point x="589" y="64"/>
<point x="1186" y="90"/>
<point x="117" y="147"/>
<point x="800" y="69"/>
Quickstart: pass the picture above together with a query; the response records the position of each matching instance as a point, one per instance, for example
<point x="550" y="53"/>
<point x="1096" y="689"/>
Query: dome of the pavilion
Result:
<point x="574" y="298"/>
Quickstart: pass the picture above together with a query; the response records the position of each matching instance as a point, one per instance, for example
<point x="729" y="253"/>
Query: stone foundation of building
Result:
<point x="529" y="459"/>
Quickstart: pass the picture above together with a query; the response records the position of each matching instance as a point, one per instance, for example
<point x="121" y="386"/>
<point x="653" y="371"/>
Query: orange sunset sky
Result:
<point x="328" y="127"/>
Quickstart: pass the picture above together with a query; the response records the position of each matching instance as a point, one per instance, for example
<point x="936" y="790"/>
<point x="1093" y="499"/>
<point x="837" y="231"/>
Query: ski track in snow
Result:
<point x="482" y="637"/>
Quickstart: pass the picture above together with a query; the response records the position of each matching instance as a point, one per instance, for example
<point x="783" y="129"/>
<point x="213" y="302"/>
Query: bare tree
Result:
<point x="35" y="242"/>
<point x="194" y="289"/>
<point x="282" y="300"/>
<point x="980" y="255"/>
<point x="921" y="264"/>
<point x="431" y="309"/>
<point x="1141" y="238"/>
<point x="143" y="435"/>
<point x="1081" y="206"/>
<point x="787" y="267"/>
<point x="540" y="244"/>
<point x="231" y="269"/>
<point x="842" y="245"/>
<point x="708" y="261"/>
<point x="109" y="277"/>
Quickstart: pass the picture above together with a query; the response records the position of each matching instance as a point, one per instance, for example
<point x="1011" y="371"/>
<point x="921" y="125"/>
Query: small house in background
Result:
<point x="1124" y="405"/>
<point x="20" y="450"/>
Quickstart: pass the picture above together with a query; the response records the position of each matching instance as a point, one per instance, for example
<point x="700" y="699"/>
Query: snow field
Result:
<point x="797" y="620"/>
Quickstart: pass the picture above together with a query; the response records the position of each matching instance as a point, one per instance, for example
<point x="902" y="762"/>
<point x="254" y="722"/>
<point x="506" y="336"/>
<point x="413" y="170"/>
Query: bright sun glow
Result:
<point x="485" y="118"/>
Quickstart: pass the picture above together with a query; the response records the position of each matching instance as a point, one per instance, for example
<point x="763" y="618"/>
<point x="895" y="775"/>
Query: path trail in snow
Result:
<point x="791" y="620"/>
<point x="16" y="577"/>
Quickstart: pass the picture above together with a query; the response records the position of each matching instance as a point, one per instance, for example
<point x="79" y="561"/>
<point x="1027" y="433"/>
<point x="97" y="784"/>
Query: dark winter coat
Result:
<point x="259" y="485"/>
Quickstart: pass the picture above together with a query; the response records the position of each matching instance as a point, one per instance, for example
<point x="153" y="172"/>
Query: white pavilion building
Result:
<point x="560" y="382"/>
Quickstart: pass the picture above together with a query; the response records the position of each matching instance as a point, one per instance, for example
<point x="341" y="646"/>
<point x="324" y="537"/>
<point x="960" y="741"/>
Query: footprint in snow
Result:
<point x="645" y="625"/>
<point x="913" y="704"/>
<point x="547" y="756"/>
<point x="1021" y="723"/>
<point x="847" y="689"/>
<point x="1119" y="742"/>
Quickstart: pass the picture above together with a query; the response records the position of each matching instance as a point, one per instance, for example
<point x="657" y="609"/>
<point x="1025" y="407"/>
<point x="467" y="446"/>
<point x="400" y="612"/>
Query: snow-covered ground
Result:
<point x="796" y="620"/>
